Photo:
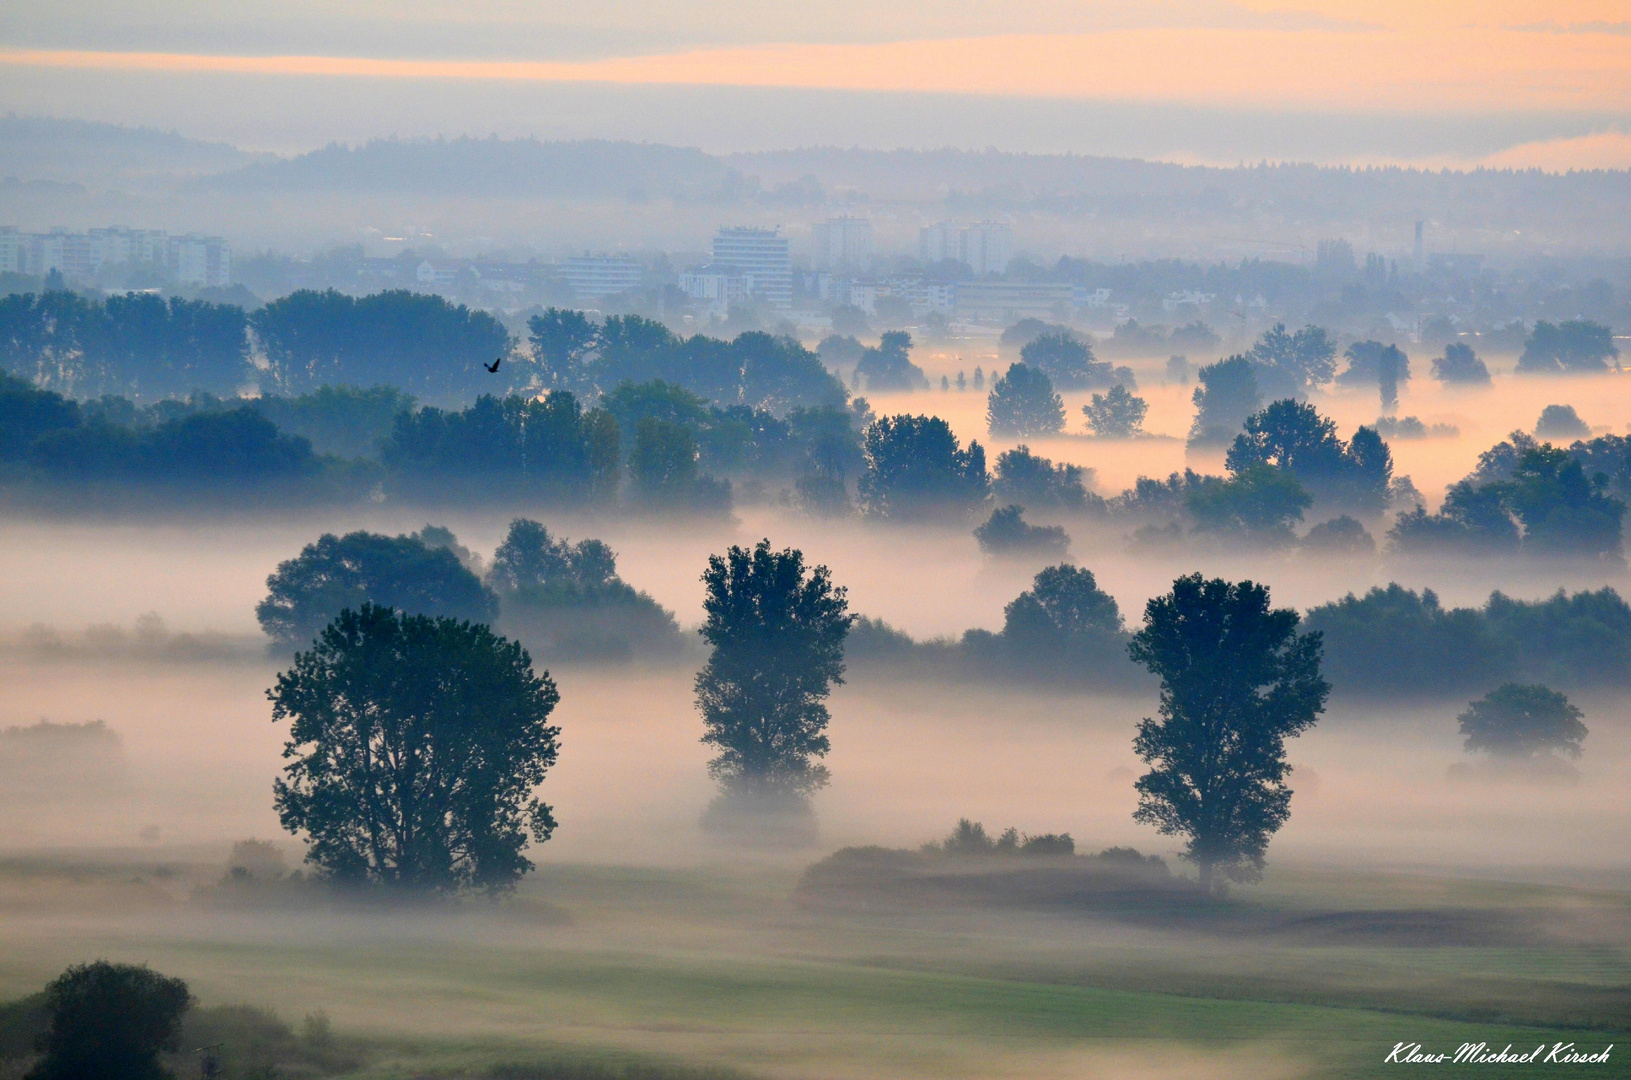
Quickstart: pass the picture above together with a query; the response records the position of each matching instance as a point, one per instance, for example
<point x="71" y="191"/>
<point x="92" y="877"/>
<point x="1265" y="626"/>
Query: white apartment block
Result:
<point x="595" y="276"/>
<point x="985" y="247"/>
<point x="760" y="256"/>
<point x="81" y="257"/>
<point x="842" y="243"/>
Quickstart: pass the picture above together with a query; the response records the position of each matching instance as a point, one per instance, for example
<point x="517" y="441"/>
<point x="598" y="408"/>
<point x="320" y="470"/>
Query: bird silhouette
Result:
<point x="493" y="367"/>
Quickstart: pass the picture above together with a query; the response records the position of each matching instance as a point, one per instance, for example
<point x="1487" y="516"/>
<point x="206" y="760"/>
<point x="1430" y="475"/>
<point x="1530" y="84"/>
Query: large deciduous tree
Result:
<point x="415" y="747"/>
<point x="777" y="631"/>
<point x="1237" y="680"/>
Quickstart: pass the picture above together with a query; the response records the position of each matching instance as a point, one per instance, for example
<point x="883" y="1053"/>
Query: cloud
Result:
<point x="1623" y="28"/>
<point x="1255" y="68"/>
<point x="1602" y="150"/>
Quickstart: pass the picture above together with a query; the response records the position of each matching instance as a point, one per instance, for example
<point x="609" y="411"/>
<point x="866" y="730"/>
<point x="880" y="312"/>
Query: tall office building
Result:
<point x="761" y="257"/>
<point x="843" y="243"/>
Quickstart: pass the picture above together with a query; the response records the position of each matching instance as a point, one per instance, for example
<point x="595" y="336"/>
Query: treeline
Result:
<point x="564" y="600"/>
<point x="145" y="347"/>
<point x="1391" y="642"/>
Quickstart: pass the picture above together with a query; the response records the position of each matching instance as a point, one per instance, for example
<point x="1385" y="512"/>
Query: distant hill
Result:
<point x="101" y="155"/>
<point x="492" y="168"/>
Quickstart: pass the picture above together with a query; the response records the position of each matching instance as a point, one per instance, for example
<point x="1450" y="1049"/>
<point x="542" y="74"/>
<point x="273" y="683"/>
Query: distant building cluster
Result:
<point x="84" y="256"/>
<point x="746" y="263"/>
<point x="985" y="247"/>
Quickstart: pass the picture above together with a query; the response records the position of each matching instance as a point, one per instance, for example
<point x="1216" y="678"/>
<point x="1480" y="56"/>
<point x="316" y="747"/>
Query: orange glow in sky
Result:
<point x="1419" y="57"/>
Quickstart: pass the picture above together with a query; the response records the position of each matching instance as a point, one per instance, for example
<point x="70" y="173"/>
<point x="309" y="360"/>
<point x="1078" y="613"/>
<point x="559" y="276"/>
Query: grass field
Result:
<point x="612" y="968"/>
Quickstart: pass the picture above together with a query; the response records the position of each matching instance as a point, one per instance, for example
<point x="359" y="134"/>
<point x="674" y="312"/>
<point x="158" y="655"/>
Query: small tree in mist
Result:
<point x="1023" y="403"/>
<point x="1117" y="414"/>
<point x="1515" y="722"/>
<point x="416" y="745"/>
<point x="110" y="1020"/>
<point x="1236" y="681"/>
<point x="777" y="633"/>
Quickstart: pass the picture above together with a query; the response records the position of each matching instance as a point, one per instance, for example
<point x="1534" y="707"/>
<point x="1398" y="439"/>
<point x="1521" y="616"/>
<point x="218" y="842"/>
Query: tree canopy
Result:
<point x="1292" y="436"/>
<point x="889" y="367"/>
<point x="1227" y="394"/>
<point x="1007" y="533"/>
<point x="110" y="1020"/>
<point x="335" y="573"/>
<point x="1036" y="483"/>
<point x="1116" y="414"/>
<point x="914" y="465"/>
<point x="415" y="745"/>
<point x="1066" y="359"/>
<point x="777" y="633"/>
<point x="1516" y="721"/>
<point x="1022" y="403"/>
<point x="1570" y="347"/>
<point x="1237" y="680"/>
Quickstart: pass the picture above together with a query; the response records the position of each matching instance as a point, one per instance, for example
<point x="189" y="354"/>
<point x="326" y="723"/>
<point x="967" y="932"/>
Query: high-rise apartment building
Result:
<point x="986" y="247"/>
<point x="843" y="243"/>
<point x="760" y="256"/>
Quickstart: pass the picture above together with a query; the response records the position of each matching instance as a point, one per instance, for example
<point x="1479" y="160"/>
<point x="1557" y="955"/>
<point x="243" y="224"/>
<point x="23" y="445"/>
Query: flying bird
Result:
<point x="493" y="367"/>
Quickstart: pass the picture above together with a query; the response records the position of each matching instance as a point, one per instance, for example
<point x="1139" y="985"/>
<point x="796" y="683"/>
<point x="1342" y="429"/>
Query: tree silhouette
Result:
<point x="1515" y="721"/>
<point x="1023" y="403"/>
<point x="777" y="633"/>
<point x="110" y="1020"/>
<point x="1237" y="680"/>
<point x="415" y="745"/>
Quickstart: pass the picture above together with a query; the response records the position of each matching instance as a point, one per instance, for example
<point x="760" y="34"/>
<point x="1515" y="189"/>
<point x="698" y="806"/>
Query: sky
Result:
<point x="1554" y="78"/>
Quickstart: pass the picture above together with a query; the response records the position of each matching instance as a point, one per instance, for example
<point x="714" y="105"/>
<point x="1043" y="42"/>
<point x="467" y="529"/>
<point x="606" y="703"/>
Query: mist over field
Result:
<point x="752" y="543"/>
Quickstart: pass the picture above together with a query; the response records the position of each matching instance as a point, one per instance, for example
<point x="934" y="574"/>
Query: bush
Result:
<point x="1007" y="533"/>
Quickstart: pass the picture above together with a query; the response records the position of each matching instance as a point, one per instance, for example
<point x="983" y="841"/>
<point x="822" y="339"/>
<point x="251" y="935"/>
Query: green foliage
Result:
<point x="1237" y="680"/>
<point x="1064" y="602"/>
<point x="1036" y="483"/>
<point x="1562" y="512"/>
<point x="1291" y="364"/>
<point x="27" y="413"/>
<point x="1227" y="394"/>
<point x="110" y="1020"/>
<point x="1543" y="489"/>
<point x="549" y="449"/>
<point x="777" y="634"/>
<point x="889" y="367"/>
<point x="1022" y="403"/>
<point x="346" y="420"/>
<point x="209" y="450"/>
<point x="1340" y="536"/>
<point x="1561" y="422"/>
<point x="562" y="340"/>
<point x="566" y="599"/>
<point x="1571" y="347"/>
<point x="134" y="344"/>
<point x="1460" y="366"/>
<point x="1514" y="721"/>
<point x="1397" y="642"/>
<point x="915" y="466"/>
<point x="1471" y="520"/>
<point x="1067" y="360"/>
<point x="415" y="744"/>
<point x="1007" y="533"/>
<point x="663" y="470"/>
<point x="1385" y="365"/>
<point x="416" y="341"/>
<point x="1259" y="502"/>
<point x="1117" y="414"/>
<point x="1293" y="437"/>
<point x="306" y="593"/>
